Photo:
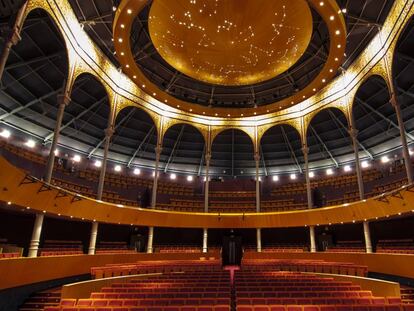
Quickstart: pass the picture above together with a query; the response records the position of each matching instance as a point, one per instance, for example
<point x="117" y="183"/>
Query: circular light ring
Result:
<point x="327" y="9"/>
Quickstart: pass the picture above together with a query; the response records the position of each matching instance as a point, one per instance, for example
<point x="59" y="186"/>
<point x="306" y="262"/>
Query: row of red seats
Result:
<point x="126" y="302"/>
<point x="112" y="270"/>
<point x="9" y="255"/>
<point x="59" y="253"/>
<point x="158" y="308"/>
<point x="397" y="307"/>
<point x="316" y="301"/>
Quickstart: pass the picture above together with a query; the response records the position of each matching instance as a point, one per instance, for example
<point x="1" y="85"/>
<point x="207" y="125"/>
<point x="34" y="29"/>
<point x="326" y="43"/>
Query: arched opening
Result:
<point x="33" y="77"/>
<point x="134" y="139"/>
<point x="375" y="117"/>
<point x="330" y="148"/>
<point x="183" y="149"/>
<point x="232" y="154"/>
<point x="281" y="149"/>
<point x="328" y="139"/>
<point x="86" y="117"/>
<point x="281" y="152"/>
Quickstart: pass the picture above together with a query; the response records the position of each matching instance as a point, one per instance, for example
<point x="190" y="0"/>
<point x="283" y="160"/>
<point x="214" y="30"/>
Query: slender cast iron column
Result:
<point x="258" y="230"/>
<point x="206" y="191"/>
<point x="305" y="151"/>
<point x="406" y="153"/>
<point x="353" y="132"/>
<point x="108" y="135"/>
<point x="158" y="150"/>
<point x="63" y="100"/>
<point x="13" y="38"/>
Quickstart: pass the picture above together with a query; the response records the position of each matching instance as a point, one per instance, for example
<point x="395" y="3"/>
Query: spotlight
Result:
<point x="117" y="168"/>
<point x="293" y="176"/>
<point x="98" y="163"/>
<point x="173" y="176"/>
<point x="311" y="174"/>
<point x="364" y="164"/>
<point x="384" y="159"/>
<point x="347" y="168"/>
<point x="275" y="178"/>
<point x="329" y="171"/>
<point x="30" y="143"/>
<point x="5" y="133"/>
<point x="137" y="171"/>
<point x="76" y="158"/>
<point x="189" y="178"/>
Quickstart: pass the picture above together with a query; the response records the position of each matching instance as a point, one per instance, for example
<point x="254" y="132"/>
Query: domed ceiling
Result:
<point x="37" y="67"/>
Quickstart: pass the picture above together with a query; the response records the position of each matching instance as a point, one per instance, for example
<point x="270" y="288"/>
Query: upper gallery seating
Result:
<point x="405" y="246"/>
<point x="8" y="250"/>
<point x="347" y="246"/>
<point x="127" y="190"/>
<point x="60" y="248"/>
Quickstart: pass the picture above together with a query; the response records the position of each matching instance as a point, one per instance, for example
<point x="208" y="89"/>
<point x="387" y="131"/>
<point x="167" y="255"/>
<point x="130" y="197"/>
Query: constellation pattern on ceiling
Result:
<point x="230" y="42"/>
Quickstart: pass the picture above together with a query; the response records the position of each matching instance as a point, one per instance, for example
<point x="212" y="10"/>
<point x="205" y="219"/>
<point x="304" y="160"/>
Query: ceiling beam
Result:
<point x="323" y="145"/>
<point x="140" y="145"/>
<point x="292" y="152"/>
<point x="340" y="124"/>
<point x="176" y="143"/>
<point x="116" y="127"/>
<point x="379" y="114"/>
<point x="31" y="103"/>
<point x="78" y="116"/>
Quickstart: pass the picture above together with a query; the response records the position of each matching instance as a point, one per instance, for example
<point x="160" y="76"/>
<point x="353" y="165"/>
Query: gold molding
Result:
<point x="87" y="58"/>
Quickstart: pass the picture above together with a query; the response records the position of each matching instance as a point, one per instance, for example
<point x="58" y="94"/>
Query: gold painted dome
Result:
<point x="230" y="42"/>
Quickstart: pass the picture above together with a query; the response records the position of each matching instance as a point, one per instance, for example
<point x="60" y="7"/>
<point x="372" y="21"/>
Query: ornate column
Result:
<point x="108" y="135"/>
<point x="63" y="100"/>
<point x="158" y="150"/>
<point x="206" y="192"/>
<point x="406" y="153"/>
<point x="305" y="151"/>
<point x="353" y="132"/>
<point x="258" y="230"/>
<point x="37" y="230"/>
<point x="13" y="38"/>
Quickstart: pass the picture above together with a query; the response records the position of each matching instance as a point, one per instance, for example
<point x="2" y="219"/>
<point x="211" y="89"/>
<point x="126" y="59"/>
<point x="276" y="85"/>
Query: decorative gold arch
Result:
<point x="85" y="56"/>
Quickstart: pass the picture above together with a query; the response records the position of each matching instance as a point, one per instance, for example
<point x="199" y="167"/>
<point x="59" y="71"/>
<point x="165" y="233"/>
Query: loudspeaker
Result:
<point x="317" y="198"/>
<point x="65" y="164"/>
<point x="232" y="251"/>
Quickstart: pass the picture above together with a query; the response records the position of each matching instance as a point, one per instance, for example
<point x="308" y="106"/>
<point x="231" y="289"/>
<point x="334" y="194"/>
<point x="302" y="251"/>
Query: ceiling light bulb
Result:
<point x="98" y="163"/>
<point x="30" y="143"/>
<point x="384" y="159"/>
<point x="293" y="176"/>
<point x="117" y="168"/>
<point x="329" y="171"/>
<point x="173" y="176"/>
<point x="275" y="178"/>
<point x="5" y="133"/>
<point x="76" y="158"/>
<point x="347" y="168"/>
<point x="137" y="171"/>
<point x="189" y="178"/>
